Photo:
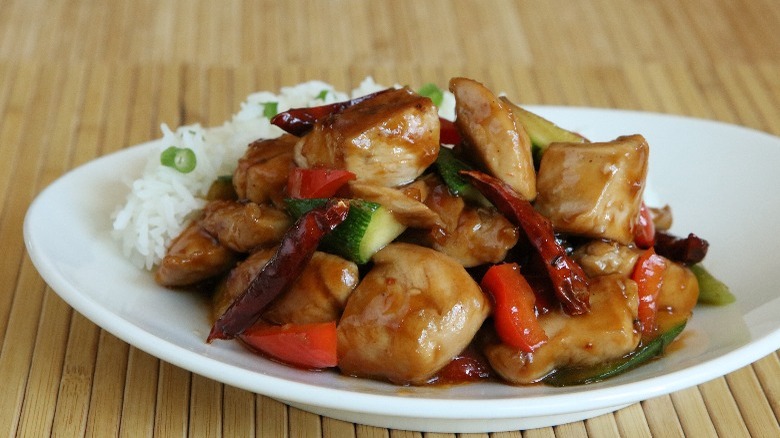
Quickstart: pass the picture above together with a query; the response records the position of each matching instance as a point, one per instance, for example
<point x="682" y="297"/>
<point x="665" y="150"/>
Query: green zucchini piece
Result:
<point x="542" y="131"/>
<point x="368" y="228"/>
<point x="582" y="375"/>
<point x="448" y="166"/>
<point x="711" y="290"/>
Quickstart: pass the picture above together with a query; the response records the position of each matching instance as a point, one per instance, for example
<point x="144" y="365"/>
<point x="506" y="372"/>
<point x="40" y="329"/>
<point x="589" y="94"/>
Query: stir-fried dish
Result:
<point x="385" y="242"/>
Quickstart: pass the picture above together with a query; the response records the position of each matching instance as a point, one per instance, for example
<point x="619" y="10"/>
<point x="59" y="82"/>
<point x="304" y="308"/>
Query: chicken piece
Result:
<point x="238" y="280"/>
<point x="387" y="140"/>
<point x="244" y="226"/>
<point x="194" y="256"/>
<point x="420" y="189"/>
<point x="599" y="257"/>
<point x="677" y="297"/>
<point x="409" y="316"/>
<point x="261" y="174"/>
<point x="594" y="189"/>
<point x="318" y="295"/>
<point x="406" y="210"/>
<point x="471" y="235"/>
<point x="679" y="287"/>
<point x="493" y="138"/>
<point x="607" y="332"/>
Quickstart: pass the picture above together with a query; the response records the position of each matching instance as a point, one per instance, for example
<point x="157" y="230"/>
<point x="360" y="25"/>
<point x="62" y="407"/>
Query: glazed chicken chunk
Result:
<point x="245" y="226"/>
<point x="493" y="138"/>
<point x="594" y="189"/>
<point x="194" y="256"/>
<point x="599" y="257"/>
<point x="406" y="209"/>
<point x="387" y="140"/>
<point x="261" y="174"/>
<point x="607" y="332"/>
<point x="472" y="235"/>
<point x="318" y="295"/>
<point x="679" y="288"/>
<point x="410" y="315"/>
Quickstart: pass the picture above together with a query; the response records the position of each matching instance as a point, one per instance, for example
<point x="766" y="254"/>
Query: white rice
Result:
<point x="162" y="200"/>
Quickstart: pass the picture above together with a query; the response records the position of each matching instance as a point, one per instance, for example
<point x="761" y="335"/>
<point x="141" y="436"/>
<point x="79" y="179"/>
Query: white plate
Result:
<point x="720" y="180"/>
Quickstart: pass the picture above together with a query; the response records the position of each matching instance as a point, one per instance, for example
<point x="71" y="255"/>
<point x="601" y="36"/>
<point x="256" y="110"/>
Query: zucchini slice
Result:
<point x="541" y="131"/>
<point x="448" y="166"/>
<point x="368" y="228"/>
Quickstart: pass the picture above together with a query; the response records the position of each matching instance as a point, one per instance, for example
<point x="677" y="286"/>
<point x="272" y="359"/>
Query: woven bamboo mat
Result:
<point x="80" y="79"/>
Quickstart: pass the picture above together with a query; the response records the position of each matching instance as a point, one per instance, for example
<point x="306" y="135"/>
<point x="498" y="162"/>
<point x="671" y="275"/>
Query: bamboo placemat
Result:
<point x="62" y="373"/>
<point x="80" y="79"/>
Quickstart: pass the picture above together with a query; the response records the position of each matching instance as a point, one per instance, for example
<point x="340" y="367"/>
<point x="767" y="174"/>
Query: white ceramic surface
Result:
<point x="721" y="181"/>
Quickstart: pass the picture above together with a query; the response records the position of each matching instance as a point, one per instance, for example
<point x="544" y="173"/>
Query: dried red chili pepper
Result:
<point x="686" y="250"/>
<point x="568" y="278"/>
<point x="299" y="121"/>
<point x="294" y="252"/>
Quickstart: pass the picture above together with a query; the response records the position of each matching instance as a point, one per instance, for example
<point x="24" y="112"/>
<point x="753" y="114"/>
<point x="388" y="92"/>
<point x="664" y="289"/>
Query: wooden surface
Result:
<point x="79" y="79"/>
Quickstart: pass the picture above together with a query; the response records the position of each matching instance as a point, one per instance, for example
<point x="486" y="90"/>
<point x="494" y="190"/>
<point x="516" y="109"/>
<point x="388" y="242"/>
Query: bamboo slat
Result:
<point x="661" y="417"/>
<point x="690" y="401"/>
<point x="172" y="404"/>
<point x="631" y="421"/>
<point x="105" y="404"/>
<point x="767" y="370"/>
<point x="754" y="408"/>
<point x="723" y="410"/>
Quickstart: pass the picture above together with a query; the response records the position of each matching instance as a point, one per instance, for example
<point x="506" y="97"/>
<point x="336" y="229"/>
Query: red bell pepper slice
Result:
<point x="310" y="346"/>
<point x="514" y="315"/>
<point x="648" y="274"/>
<point x="568" y="278"/>
<point x="294" y="252"/>
<point x="448" y="132"/>
<point x="644" y="230"/>
<point x="317" y="182"/>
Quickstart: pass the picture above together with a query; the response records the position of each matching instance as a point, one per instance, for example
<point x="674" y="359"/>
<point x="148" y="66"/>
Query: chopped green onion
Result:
<point x="432" y="92"/>
<point x="323" y="94"/>
<point x="270" y="109"/>
<point x="711" y="290"/>
<point x="181" y="159"/>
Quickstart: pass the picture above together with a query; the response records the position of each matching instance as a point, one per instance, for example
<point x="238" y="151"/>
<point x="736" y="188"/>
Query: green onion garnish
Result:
<point x="181" y="159"/>
<point x="432" y="92"/>
<point x="711" y="290"/>
<point x="323" y="94"/>
<point x="270" y="109"/>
